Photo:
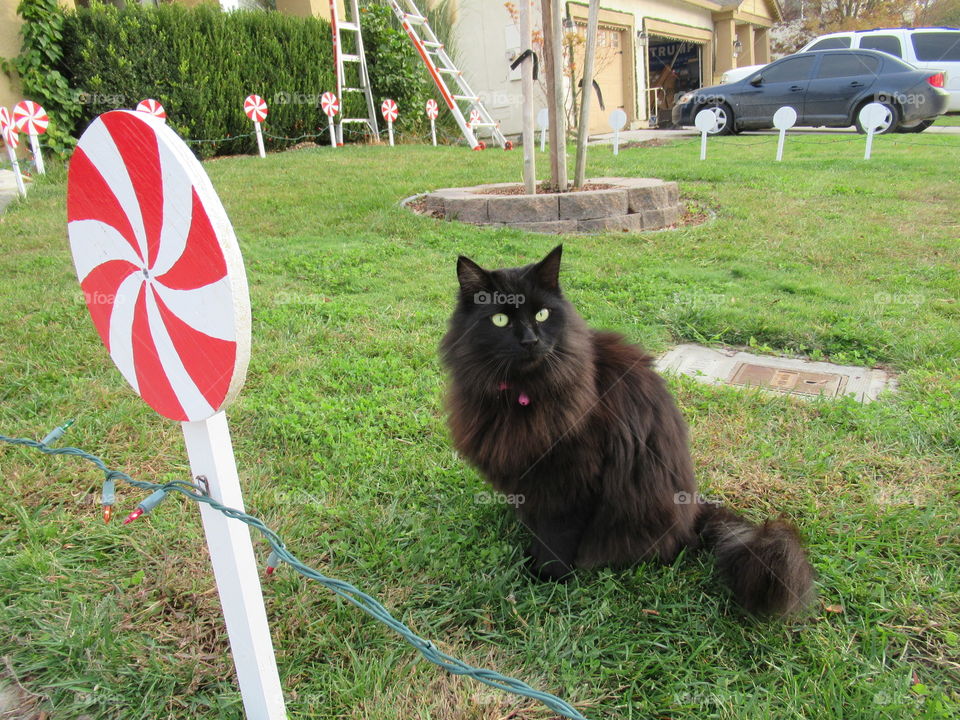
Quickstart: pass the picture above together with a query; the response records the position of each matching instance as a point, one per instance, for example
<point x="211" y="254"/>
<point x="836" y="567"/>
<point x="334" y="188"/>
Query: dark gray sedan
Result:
<point x="827" y="88"/>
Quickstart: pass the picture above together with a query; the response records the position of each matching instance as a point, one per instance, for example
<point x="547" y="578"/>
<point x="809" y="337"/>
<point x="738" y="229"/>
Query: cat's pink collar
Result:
<point x="522" y="398"/>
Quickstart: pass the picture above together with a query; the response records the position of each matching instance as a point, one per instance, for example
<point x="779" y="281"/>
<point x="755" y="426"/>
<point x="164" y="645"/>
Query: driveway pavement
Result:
<point x="8" y="188"/>
<point x="628" y="136"/>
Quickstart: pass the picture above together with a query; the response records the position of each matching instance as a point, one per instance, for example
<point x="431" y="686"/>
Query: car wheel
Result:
<point x="892" y="121"/>
<point x="917" y="127"/>
<point x="724" y="119"/>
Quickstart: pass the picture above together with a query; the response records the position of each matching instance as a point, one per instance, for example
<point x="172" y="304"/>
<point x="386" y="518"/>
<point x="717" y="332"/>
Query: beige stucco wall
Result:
<point x="9" y="47"/>
<point x="484" y="33"/>
<point x="10" y="23"/>
<point x="310" y="8"/>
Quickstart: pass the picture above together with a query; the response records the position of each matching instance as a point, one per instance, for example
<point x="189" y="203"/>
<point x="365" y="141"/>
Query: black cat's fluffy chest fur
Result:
<point x="577" y="426"/>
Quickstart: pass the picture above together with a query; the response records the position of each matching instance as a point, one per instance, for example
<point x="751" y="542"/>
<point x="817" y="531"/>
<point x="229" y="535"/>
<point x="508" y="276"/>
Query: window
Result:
<point x="889" y="44"/>
<point x="847" y="65"/>
<point x="831" y="43"/>
<point x="934" y="46"/>
<point x="606" y="37"/>
<point x="789" y="70"/>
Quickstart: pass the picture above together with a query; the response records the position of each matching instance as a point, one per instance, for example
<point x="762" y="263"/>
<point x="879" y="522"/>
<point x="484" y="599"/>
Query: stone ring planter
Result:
<point x="624" y="204"/>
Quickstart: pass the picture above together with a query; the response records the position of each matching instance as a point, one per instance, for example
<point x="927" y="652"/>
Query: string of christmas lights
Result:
<point x="280" y="555"/>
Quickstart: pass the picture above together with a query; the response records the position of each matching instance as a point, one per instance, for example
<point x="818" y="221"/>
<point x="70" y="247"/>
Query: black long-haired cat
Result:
<point x="583" y="433"/>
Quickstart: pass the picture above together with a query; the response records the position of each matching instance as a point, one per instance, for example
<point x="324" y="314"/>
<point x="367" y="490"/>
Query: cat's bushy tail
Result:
<point x="764" y="565"/>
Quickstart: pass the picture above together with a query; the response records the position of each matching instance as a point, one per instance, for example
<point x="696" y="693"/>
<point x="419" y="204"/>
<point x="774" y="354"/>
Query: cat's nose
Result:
<point x="529" y="338"/>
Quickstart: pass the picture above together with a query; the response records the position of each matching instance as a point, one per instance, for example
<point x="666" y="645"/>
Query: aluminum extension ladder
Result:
<point x="464" y="99"/>
<point x="359" y="58"/>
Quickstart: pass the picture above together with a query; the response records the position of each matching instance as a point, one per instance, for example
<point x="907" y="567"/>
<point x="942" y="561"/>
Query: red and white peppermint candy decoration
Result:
<point x="433" y="110"/>
<point x="152" y="107"/>
<point x="30" y="117"/>
<point x="10" y="136"/>
<point x="329" y="104"/>
<point x="474" y="117"/>
<point x="389" y="110"/>
<point x="5" y="121"/>
<point x="256" y="108"/>
<point x="159" y="265"/>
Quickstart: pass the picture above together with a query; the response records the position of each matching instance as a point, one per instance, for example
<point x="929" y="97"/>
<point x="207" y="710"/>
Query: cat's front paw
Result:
<point x="549" y="569"/>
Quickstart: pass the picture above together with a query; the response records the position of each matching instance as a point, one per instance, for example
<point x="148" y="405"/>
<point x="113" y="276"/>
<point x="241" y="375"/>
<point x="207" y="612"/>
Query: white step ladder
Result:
<point x="439" y="65"/>
<point x="358" y="57"/>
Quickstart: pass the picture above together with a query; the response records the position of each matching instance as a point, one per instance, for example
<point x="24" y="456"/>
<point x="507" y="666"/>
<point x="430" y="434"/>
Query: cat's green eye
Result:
<point x="500" y="320"/>
<point x="542" y="315"/>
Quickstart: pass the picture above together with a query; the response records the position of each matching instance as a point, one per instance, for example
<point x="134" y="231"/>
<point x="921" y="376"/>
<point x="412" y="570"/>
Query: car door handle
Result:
<point x="796" y="88"/>
<point x="856" y="83"/>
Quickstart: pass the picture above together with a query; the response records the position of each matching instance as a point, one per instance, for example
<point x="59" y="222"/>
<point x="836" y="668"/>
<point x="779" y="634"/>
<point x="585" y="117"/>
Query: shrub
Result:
<point x="41" y="52"/>
<point x="396" y="70"/>
<point x="201" y="63"/>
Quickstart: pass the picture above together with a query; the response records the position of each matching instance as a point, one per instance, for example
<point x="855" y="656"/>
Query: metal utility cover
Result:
<point x="800" y="382"/>
<point x="730" y="366"/>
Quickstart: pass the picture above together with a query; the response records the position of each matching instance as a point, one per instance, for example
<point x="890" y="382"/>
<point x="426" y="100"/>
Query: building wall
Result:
<point x="10" y="24"/>
<point x="486" y="37"/>
<point x="310" y="8"/>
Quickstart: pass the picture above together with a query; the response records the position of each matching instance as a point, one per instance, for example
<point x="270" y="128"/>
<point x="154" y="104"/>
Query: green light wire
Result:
<point x="342" y="588"/>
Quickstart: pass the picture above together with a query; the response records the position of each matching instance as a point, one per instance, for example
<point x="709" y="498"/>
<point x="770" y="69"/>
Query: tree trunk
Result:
<point x="526" y="83"/>
<point x="553" y="66"/>
<point x="583" y="130"/>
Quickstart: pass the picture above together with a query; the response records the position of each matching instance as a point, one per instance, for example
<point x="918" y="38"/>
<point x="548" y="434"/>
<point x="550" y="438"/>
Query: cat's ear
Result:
<point x="547" y="271"/>
<point x="472" y="277"/>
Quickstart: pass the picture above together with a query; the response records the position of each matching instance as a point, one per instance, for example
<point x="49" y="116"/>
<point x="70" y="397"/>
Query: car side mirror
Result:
<point x="757" y="81"/>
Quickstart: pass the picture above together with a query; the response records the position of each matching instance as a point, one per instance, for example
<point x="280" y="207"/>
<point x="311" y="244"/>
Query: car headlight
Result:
<point x="685" y="98"/>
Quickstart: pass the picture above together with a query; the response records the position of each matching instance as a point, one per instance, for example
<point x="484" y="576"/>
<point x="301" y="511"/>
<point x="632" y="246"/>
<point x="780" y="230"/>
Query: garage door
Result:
<point x="607" y="71"/>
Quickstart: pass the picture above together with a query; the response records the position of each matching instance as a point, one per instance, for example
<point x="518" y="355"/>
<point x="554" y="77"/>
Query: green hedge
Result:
<point x="201" y="63"/>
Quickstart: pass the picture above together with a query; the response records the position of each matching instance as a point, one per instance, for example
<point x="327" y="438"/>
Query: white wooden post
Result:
<point x="390" y="131"/>
<point x="433" y="131"/>
<point x="256" y="125"/>
<point x="235" y="568"/>
<point x="333" y="132"/>
<point x="37" y="155"/>
<point x="21" y="188"/>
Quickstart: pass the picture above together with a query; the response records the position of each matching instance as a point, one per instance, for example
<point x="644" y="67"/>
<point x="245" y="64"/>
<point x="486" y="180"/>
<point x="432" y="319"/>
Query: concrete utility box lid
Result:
<point x="796" y="376"/>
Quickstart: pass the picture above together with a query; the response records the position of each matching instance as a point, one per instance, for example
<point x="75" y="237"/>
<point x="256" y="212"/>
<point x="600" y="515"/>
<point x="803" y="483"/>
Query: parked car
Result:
<point x="827" y="89"/>
<point x="928" y="48"/>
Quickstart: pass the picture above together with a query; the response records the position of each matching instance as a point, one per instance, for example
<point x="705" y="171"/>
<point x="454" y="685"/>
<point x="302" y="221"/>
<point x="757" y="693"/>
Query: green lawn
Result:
<point x="342" y="447"/>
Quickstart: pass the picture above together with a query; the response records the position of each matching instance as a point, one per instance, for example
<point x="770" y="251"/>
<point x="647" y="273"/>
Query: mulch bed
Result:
<point x="542" y="189"/>
<point x="419" y="206"/>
